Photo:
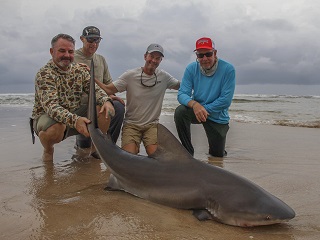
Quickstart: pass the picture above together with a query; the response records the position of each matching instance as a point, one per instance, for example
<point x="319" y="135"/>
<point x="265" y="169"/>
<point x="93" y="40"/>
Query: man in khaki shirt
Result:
<point x="91" y="39"/>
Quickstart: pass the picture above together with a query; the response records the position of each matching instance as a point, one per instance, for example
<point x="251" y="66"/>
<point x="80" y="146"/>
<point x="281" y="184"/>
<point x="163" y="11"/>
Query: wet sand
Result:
<point x="66" y="199"/>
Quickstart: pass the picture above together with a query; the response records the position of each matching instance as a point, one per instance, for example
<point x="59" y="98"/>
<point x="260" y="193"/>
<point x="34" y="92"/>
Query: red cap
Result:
<point x="204" y="43"/>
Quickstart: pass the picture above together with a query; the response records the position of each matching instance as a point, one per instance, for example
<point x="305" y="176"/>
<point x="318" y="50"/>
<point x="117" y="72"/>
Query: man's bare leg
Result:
<point x="103" y="122"/>
<point x="54" y="134"/>
<point x="131" y="148"/>
<point x="151" y="148"/>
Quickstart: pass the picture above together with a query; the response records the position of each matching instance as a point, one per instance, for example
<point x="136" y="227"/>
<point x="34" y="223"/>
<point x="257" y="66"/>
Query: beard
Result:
<point x="64" y="63"/>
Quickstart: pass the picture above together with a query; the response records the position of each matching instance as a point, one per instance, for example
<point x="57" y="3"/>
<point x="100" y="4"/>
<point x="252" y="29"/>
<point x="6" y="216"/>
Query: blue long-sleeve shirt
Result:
<point x="214" y="93"/>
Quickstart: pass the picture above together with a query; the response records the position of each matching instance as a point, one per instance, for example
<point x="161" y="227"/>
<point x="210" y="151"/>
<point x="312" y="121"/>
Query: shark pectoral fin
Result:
<point x="108" y="188"/>
<point x="113" y="184"/>
<point x="202" y="214"/>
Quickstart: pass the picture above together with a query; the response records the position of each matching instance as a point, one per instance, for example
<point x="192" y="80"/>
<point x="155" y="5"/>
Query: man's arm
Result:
<point x="186" y="87"/>
<point x="176" y="87"/>
<point x="110" y="89"/>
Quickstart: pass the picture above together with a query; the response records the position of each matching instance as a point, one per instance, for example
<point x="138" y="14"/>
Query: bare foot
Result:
<point x="47" y="155"/>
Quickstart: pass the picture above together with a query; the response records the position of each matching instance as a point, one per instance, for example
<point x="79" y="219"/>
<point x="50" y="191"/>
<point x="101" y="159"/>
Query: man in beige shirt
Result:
<point x="145" y="88"/>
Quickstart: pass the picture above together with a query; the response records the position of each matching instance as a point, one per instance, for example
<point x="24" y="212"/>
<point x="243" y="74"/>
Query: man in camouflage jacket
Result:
<point x="59" y="85"/>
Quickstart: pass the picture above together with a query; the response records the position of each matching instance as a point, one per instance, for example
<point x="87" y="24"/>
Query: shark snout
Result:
<point x="267" y="211"/>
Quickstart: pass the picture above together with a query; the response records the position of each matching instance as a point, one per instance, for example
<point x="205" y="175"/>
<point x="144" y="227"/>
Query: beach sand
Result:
<point x="66" y="199"/>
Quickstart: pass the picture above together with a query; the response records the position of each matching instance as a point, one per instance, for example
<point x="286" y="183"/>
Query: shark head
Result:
<point x="255" y="218"/>
<point x="249" y="206"/>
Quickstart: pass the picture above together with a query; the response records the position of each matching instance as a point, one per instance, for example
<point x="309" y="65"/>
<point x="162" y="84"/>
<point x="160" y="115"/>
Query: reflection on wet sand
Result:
<point x="72" y="203"/>
<point x="216" y="161"/>
<point x="64" y="195"/>
<point x="70" y="200"/>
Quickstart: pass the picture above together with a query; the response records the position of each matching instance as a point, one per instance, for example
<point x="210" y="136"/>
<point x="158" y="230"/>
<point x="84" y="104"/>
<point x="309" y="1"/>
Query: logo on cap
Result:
<point x="203" y="41"/>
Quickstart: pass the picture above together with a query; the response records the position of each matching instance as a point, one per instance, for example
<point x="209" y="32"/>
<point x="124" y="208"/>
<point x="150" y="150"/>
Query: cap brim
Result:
<point x="92" y="36"/>
<point x="156" y="51"/>
<point x="204" y="48"/>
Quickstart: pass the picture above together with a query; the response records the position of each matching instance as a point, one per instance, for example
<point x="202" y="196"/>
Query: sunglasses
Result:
<point x="93" y="40"/>
<point x="207" y="54"/>
<point x="151" y="85"/>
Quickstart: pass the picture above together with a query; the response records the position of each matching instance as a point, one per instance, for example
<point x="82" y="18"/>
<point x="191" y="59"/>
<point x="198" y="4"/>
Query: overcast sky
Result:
<point x="274" y="45"/>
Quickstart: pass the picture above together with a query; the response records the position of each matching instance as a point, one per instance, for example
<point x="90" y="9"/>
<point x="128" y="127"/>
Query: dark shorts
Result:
<point x="43" y="122"/>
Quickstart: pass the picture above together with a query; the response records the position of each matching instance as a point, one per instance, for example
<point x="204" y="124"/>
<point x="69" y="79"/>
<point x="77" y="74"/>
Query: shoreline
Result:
<point x="283" y="110"/>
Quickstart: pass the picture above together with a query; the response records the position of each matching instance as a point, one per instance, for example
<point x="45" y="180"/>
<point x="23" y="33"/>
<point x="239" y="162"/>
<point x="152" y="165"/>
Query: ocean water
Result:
<point x="283" y="110"/>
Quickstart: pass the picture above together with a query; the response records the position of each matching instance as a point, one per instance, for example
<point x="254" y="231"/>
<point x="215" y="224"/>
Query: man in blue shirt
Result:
<point x="205" y="95"/>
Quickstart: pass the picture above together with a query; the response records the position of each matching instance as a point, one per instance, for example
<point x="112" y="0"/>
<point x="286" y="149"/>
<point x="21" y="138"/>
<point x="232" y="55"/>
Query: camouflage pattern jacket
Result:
<point x="58" y="93"/>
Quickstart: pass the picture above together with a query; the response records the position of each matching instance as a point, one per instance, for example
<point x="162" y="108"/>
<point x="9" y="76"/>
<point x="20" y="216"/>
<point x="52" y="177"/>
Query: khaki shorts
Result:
<point x="43" y="122"/>
<point x="132" y="133"/>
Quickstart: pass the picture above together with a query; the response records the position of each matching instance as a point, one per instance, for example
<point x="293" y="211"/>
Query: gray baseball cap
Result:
<point x="154" y="47"/>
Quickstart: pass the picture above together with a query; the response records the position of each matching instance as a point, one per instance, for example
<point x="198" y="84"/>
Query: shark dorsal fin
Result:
<point x="169" y="148"/>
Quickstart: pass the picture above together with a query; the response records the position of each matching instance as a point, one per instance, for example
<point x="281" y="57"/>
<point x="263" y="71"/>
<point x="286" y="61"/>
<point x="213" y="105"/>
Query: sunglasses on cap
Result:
<point x="93" y="40"/>
<point x="207" y="54"/>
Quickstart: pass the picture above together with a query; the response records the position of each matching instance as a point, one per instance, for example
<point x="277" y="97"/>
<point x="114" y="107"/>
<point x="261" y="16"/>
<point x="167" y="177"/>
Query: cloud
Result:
<point x="268" y="42"/>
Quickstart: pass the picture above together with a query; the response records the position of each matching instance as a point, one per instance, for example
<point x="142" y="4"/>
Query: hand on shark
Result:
<point x="82" y="122"/>
<point x="81" y="126"/>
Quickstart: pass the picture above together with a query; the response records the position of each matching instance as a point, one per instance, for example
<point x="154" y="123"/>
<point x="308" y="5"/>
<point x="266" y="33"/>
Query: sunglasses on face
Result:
<point x="93" y="40"/>
<point x="207" y="54"/>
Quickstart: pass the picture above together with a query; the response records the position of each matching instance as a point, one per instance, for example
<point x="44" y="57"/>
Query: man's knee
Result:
<point x="102" y="117"/>
<point x="184" y="115"/>
<point x="119" y="108"/>
<point x="131" y="148"/>
<point x="55" y="132"/>
<point x="179" y="112"/>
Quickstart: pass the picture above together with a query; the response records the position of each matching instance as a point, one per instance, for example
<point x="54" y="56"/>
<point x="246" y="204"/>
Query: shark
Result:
<point x="174" y="178"/>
